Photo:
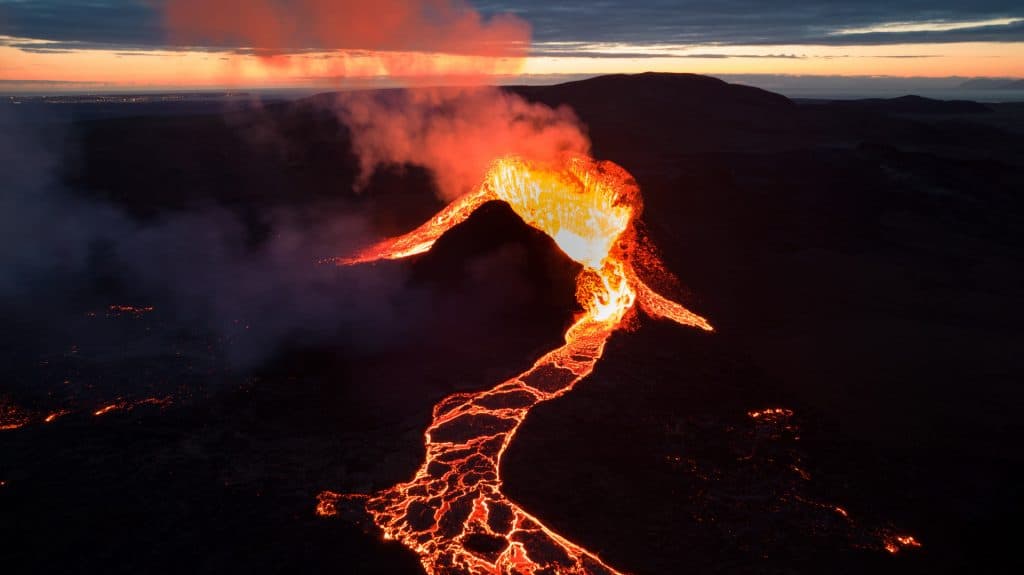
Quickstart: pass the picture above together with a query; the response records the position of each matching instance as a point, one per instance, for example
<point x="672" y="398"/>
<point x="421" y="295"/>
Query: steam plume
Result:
<point x="454" y="132"/>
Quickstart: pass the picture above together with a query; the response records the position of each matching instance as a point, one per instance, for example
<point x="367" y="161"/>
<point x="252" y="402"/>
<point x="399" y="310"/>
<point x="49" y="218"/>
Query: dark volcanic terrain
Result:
<point x="860" y="260"/>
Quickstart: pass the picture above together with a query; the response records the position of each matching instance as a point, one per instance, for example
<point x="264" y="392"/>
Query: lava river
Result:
<point x="452" y="513"/>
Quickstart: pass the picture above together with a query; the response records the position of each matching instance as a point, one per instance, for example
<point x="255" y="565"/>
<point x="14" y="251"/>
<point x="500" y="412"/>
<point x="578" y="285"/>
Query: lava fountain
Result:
<point x="452" y="513"/>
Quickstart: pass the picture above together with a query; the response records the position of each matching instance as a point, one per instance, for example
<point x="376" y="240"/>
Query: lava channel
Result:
<point x="452" y="513"/>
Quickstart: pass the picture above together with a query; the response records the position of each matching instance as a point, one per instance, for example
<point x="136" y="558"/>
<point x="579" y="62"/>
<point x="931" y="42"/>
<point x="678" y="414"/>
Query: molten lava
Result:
<point x="130" y="405"/>
<point x="51" y="417"/>
<point x="12" y="416"/>
<point x="452" y="512"/>
<point x="896" y="543"/>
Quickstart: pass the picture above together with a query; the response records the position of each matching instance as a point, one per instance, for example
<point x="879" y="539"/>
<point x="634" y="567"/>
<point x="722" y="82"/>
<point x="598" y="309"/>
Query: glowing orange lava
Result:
<point x="895" y="543"/>
<point x="452" y="512"/>
<point x="54" y="415"/>
<point x="108" y="408"/>
<point x="129" y="405"/>
<point x="771" y="413"/>
<point x="12" y="416"/>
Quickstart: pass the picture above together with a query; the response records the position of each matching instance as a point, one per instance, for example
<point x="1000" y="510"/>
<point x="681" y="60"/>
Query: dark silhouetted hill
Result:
<point x="632" y="113"/>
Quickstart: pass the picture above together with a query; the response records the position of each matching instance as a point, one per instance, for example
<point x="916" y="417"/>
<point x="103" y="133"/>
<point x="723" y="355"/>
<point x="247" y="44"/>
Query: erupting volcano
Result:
<point x="452" y="512"/>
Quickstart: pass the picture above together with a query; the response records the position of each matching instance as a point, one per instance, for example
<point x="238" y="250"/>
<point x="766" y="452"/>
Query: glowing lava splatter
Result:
<point x="128" y="405"/>
<point x="11" y="416"/>
<point x="452" y="512"/>
<point x="895" y="543"/>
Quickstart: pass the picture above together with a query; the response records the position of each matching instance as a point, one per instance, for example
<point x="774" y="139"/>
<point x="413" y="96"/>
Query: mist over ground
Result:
<point x="252" y="284"/>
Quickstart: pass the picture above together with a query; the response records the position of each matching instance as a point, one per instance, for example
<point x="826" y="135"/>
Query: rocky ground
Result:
<point x="860" y="264"/>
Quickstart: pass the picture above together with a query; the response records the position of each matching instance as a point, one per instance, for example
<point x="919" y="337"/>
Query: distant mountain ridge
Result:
<point x="912" y="105"/>
<point x="993" y="84"/>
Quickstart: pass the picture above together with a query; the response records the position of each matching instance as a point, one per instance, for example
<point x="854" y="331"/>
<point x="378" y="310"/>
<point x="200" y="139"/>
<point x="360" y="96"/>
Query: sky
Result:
<point x="82" y="45"/>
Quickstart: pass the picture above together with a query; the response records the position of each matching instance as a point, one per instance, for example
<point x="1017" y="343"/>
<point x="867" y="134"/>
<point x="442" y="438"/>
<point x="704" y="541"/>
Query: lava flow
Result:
<point x="452" y="513"/>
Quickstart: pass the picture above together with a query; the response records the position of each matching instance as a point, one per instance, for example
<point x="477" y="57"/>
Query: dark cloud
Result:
<point x="1006" y="33"/>
<point x="134" y="24"/>
<point x="97" y="22"/>
<point x="754" y="21"/>
<point x="580" y="50"/>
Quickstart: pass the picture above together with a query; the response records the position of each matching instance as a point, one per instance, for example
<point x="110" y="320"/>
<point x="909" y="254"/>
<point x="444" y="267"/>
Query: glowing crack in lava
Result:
<point x="452" y="512"/>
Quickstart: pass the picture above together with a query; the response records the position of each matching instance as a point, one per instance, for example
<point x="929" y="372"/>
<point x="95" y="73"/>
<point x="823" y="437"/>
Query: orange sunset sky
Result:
<point x="42" y="46"/>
